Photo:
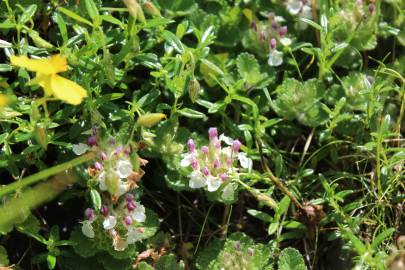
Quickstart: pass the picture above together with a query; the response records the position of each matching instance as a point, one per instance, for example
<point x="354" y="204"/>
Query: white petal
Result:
<point x="294" y="6"/>
<point x="80" y="148"/>
<point x="109" y="222"/>
<point x="187" y="159"/>
<point x="306" y="12"/>
<point x="213" y="183"/>
<point x="101" y="180"/>
<point x="275" y="58"/>
<point x="196" y="180"/>
<point x="124" y="168"/>
<point x="87" y="229"/>
<point x="123" y="188"/>
<point x="285" y="41"/>
<point x="133" y="236"/>
<point x="226" y="139"/>
<point x="228" y="190"/>
<point x="244" y="161"/>
<point x="138" y="214"/>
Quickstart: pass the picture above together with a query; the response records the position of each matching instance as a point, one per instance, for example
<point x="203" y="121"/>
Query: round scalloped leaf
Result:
<point x="291" y="259"/>
<point x="85" y="247"/>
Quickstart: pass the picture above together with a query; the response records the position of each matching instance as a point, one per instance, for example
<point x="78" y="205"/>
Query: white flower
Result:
<point x="244" y="161"/>
<point x="294" y="6"/>
<point x="87" y="229"/>
<point x="109" y="222"/>
<point x="138" y="214"/>
<point x="101" y="180"/>
<point x="305" y="13"/>
<point x="197" y="180"/>
<point x="275" y="58"/>
<point x="226" y="139"/>
<point x="124" y="168"/>
<point x="80" y="148"/>
<point x="187" y="159"/>
<point x="213" y="183"/>
<point x="228" y="191"/>
<point x="133" y="235"/>
<point x="285" y="41"/>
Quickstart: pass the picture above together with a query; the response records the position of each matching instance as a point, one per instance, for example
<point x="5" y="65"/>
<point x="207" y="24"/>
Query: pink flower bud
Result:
<point x="104" y="210"/>
<point x="217" y="164"/>
<point x="118" y="150"/>
<point x="92" y="140"/>
<point x="127" y="151"/>
<point x="283" y="31"/>
<point x="213" y="133"/>
<point x="194" y="164"/>
<point x="205" y="171"/>
<point x="250" y="252"/>
<point x="191" y="145"/>
<point x="131" y="206"/>
<point x="273" y="43"/>
<point x="236" y="145"/>
<point x="229" y="161"/>
<point x="98" y="166"/>
<point x="103" y="156"/>
<point x="371" y="8"/>
<point x="141" y="229"/>
<point x="274" y="25"/>
<point x="205" y="150"/>
<point x="89" y="213"/>
<point x="128" y="220"/>
<point x="223" y="176"/>
<point x="129" y="197"/>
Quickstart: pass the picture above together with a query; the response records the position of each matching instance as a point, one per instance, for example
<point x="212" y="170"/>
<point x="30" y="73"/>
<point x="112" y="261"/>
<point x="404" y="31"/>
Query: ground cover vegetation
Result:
<point x="202" y="134"/>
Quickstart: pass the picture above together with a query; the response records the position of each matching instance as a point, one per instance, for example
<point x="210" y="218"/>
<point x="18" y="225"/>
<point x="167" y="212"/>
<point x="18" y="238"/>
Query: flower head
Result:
<point x="53" y="84"/>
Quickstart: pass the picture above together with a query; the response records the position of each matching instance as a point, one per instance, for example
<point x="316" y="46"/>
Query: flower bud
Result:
<point x="131" y="206"/>
<point x="223" y="176"/>
<point x="150" y="119"/>
<point x="103" y="156"/>
<point x="253" y="26"/>
<point x="273" y="43"/>
<point x="205" y="171"/>
<point x="250" y="252"/>
<point x="371" y="8"/>
<point x="213" y="133"/>
<point x="194" y="89"/>
<point x="191" y="145"/>
<point x="104" y="210"/>
<point x="89" y="214"/>
<point x="194" y="164"/>
<point x="205" y="150"/>
<point x="128" y="220"/>
<point x="92" y="140"/>
<point x="98" y="166"/>
<point x="283" y="31"/>
<point x="129" y="197"/>
<point x="274" y="25"/>
<point x="217" y="164"/>
<point x="236" y="145"/>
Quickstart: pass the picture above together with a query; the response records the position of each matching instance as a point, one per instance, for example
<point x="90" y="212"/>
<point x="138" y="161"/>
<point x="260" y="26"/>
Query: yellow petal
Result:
<point x="44" y="81"/>
<point x="67" y="90"/>
<point x="51" y="65"/>
<point x="3" y="100"/>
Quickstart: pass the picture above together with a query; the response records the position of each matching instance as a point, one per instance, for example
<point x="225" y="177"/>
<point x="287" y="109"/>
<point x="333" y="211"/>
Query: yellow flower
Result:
<point x="47" y="77"/>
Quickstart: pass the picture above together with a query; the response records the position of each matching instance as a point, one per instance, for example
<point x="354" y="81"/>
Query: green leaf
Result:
<point x="95" y="199"/>
<point x="248" y="68"/>
<point x="3" y="257"/>
<point x="381" y="237"/>
<point x="91" y="9"/>
<point x="190" y="113"/>
<point x="169" y="262"/>
<point x="84" y="246"/>
<point x="51" y="261"/>
<point x="291" y="259"/>
<point x="28" y="14"/>
<point x="62" y="27"/>
<point x="173" y="41"/>
<point x="74" y="16"/>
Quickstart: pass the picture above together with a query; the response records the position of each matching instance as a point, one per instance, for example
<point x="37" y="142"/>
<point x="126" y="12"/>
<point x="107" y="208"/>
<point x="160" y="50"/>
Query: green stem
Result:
<point x="45" y="174"/>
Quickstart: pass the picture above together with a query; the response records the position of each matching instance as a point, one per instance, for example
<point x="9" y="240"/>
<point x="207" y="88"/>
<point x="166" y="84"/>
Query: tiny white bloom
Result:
<point x="133" y="235"/>
<point x="294" y="6"/>
<point x="285" y="41"/>
<point x="187" y="159"/>
<point x="244" y="161"/>
<point x="101" y="180"/>
<point x="80" y="148"/>
<point x="109" y="222"/>
<point x="138" y="214"/>
<point x="228" y="190"/>
<point x="124" y="168"/>
<point x="213" y="183"/>
<point x="197" y="180"/>
<point x="87" y="229"/>
<point x="275" y="58"/>
<point x="226" y="139"/>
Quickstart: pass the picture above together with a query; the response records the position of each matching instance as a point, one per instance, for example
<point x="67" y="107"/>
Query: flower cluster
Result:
<point x="300" y="8"/>
<point x="115" y="172"/>
<point x="272" y="33"/>
<point x="213" y="165"/>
